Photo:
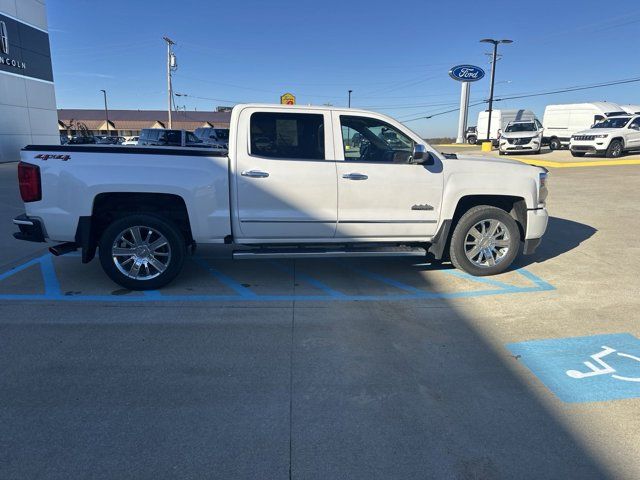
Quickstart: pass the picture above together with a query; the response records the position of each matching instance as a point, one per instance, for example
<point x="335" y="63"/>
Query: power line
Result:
<point x="426" y="115"/>
<point x="209" y="98"/>
<point x="405" y="106"/>
<point x="572" y="89"/>
<point x="437" y="114"/>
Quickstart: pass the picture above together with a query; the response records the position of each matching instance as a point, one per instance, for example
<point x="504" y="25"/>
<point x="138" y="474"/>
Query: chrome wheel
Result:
<point x="141" y="253"/>
<point x="487" y="243"/>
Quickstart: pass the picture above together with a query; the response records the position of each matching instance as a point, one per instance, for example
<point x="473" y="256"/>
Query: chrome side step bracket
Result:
<point x="326" y="253"/>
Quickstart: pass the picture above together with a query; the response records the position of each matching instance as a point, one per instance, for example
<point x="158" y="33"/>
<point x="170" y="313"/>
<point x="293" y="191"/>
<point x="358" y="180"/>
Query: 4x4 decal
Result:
<point x="48" y="156"/>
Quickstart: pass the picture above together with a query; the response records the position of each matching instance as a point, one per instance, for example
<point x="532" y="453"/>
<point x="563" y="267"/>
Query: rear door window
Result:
<point x="287" y="135"/>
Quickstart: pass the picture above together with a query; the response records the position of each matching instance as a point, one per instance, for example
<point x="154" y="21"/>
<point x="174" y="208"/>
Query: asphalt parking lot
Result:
<point x="347" y="369"/>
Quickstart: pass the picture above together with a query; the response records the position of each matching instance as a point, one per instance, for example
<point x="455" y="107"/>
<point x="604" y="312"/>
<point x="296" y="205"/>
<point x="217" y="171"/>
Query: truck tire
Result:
<point x="485" y="241"/>
<point x="142" y="251"/>
<point x="472" y="140"/>
<point x="615" y="150"/>
<point x="577" y="154"/>
<point x="555" y="144"/>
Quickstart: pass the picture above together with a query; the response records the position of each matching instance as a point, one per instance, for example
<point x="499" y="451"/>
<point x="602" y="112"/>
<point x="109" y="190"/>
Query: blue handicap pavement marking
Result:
<point x="585" y="369"/>
<point x="241" y="292"/>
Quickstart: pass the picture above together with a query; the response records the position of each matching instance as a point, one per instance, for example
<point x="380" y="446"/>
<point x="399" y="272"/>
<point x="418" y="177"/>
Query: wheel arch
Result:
<point x="108" y="206"/>
<point x="513" y="205"/>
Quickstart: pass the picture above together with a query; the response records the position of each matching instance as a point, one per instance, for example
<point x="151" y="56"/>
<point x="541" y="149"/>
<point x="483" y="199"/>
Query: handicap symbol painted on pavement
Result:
<point x="585" y="369"/>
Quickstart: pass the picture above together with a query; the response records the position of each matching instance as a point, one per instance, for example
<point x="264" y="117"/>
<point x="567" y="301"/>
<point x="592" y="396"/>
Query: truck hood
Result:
<point x="600" y="131"/>
<point x="519" y="134"/>
<point x="474" y="162"/>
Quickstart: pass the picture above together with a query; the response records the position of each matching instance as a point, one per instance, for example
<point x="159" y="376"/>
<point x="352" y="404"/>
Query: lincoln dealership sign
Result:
<point x="466" y="73"/>
<point x="24" y="50"/>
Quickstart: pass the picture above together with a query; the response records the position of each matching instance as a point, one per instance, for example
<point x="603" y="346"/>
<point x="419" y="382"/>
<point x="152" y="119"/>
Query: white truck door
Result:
<point x="381" y="196"/>
<point x="285" y="175"/>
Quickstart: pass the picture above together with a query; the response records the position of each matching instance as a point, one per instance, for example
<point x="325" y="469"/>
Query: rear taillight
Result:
<point x="29" y="181"/>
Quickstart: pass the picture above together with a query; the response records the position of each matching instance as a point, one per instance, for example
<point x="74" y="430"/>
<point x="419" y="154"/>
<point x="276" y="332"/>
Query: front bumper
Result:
<point x="31" y="229"/>
<point x="537" y="220"/>
<point x="532" y="146"/>
<point x="587" y="146"/>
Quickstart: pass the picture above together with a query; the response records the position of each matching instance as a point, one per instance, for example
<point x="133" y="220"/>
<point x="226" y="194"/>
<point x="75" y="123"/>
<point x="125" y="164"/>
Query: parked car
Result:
<point x="168" y="138"/>
<point x="214" y="137"/>
<point x="131" y="140"/>
<point x="610" y="138"/>
<point x="471" y="135"/>
<point x="82" y="140"/>
<point x="562" y="121"/>
<point x="109" y="140"/>
<point x="289" y="188"/>
<point x="521" y="137"/>
<point x="499" y="120"/>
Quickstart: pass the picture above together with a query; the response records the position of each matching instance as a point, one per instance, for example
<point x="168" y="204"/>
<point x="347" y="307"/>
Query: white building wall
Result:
<point x="28" y="112"/>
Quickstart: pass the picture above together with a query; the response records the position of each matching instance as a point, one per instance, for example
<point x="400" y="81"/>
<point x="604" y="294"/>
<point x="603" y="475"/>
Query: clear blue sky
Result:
<point x="393" y="55"/>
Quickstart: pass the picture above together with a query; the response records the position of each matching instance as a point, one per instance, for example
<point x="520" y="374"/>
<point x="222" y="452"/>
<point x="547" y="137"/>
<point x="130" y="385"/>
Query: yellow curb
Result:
<point x="459" y="145"/>
<point x="596" y="163"/>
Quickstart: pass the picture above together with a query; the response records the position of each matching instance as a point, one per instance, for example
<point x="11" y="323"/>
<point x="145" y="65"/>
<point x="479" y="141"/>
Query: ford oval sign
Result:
<point x="466" y="73"/>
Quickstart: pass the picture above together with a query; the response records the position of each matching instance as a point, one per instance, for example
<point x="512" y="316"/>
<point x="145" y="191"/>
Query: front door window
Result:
<point x="370" y="140"/>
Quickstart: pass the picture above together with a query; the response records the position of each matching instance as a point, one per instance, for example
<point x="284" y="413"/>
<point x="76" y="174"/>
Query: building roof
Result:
<point x="139" y="119"/>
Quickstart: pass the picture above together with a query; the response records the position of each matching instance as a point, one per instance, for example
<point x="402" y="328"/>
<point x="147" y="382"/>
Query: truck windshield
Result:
<point x="521" y="127"/>
<point x="613" y="123"/>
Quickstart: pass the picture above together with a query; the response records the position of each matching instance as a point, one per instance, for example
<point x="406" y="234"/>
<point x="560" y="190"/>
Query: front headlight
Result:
<point x="604" y="135"/>
<point x="542" y="190"/>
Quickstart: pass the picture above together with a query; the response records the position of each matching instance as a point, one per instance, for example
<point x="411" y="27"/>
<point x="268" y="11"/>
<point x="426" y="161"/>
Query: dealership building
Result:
<point x="27" y="98"/>
<point x="128" y="123"/>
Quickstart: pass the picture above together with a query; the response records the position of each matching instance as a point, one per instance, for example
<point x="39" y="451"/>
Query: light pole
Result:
<point x="106" y="110"/>
<point x="494" y="57"/>
<point x="350" y="98"/>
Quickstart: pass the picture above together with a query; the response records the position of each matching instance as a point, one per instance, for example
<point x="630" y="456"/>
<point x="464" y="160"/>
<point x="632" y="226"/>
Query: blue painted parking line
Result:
<point x="485" y="280"/>
<point x="382" y="279"/>
<point x="237" y="287"/>
<point x="308" y="279"/>
<point x="244" y="293"/>
<point x="585" y="369"/>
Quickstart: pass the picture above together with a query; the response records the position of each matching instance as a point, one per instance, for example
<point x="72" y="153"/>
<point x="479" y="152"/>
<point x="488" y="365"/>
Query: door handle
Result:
<point x="254" y="173"/>
<point x="355" y="176"/>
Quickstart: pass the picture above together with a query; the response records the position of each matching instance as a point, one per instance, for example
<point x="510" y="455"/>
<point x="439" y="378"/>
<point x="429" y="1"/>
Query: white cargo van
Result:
<point x="562" y="121"/>
<point x="631" y="109"/>
<point x="499" y="120"/>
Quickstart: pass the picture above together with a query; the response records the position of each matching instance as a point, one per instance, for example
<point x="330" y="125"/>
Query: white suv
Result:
<point x="523" y="136"/>
<point x="611" y="137"/>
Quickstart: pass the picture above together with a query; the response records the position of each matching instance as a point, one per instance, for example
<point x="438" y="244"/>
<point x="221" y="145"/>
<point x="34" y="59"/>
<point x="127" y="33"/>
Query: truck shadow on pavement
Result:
<point x="562" y="236"/>
<point x="361" y="390"/>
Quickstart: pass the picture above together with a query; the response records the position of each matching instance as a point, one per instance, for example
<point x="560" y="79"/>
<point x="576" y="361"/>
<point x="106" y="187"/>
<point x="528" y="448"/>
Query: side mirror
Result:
<point x="421" y="156"/>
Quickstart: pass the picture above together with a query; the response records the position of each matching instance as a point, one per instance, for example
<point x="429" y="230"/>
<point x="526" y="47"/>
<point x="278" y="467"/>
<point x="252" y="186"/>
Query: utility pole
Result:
<point x="350" y="98"/>
<point x="171" y="65"/>
<point x="106" y="110"/>
<point x="494" y="57"/>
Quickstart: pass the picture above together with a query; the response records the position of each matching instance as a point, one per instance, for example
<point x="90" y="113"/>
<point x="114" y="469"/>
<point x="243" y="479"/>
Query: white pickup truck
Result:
<point x="296" y="182"/>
